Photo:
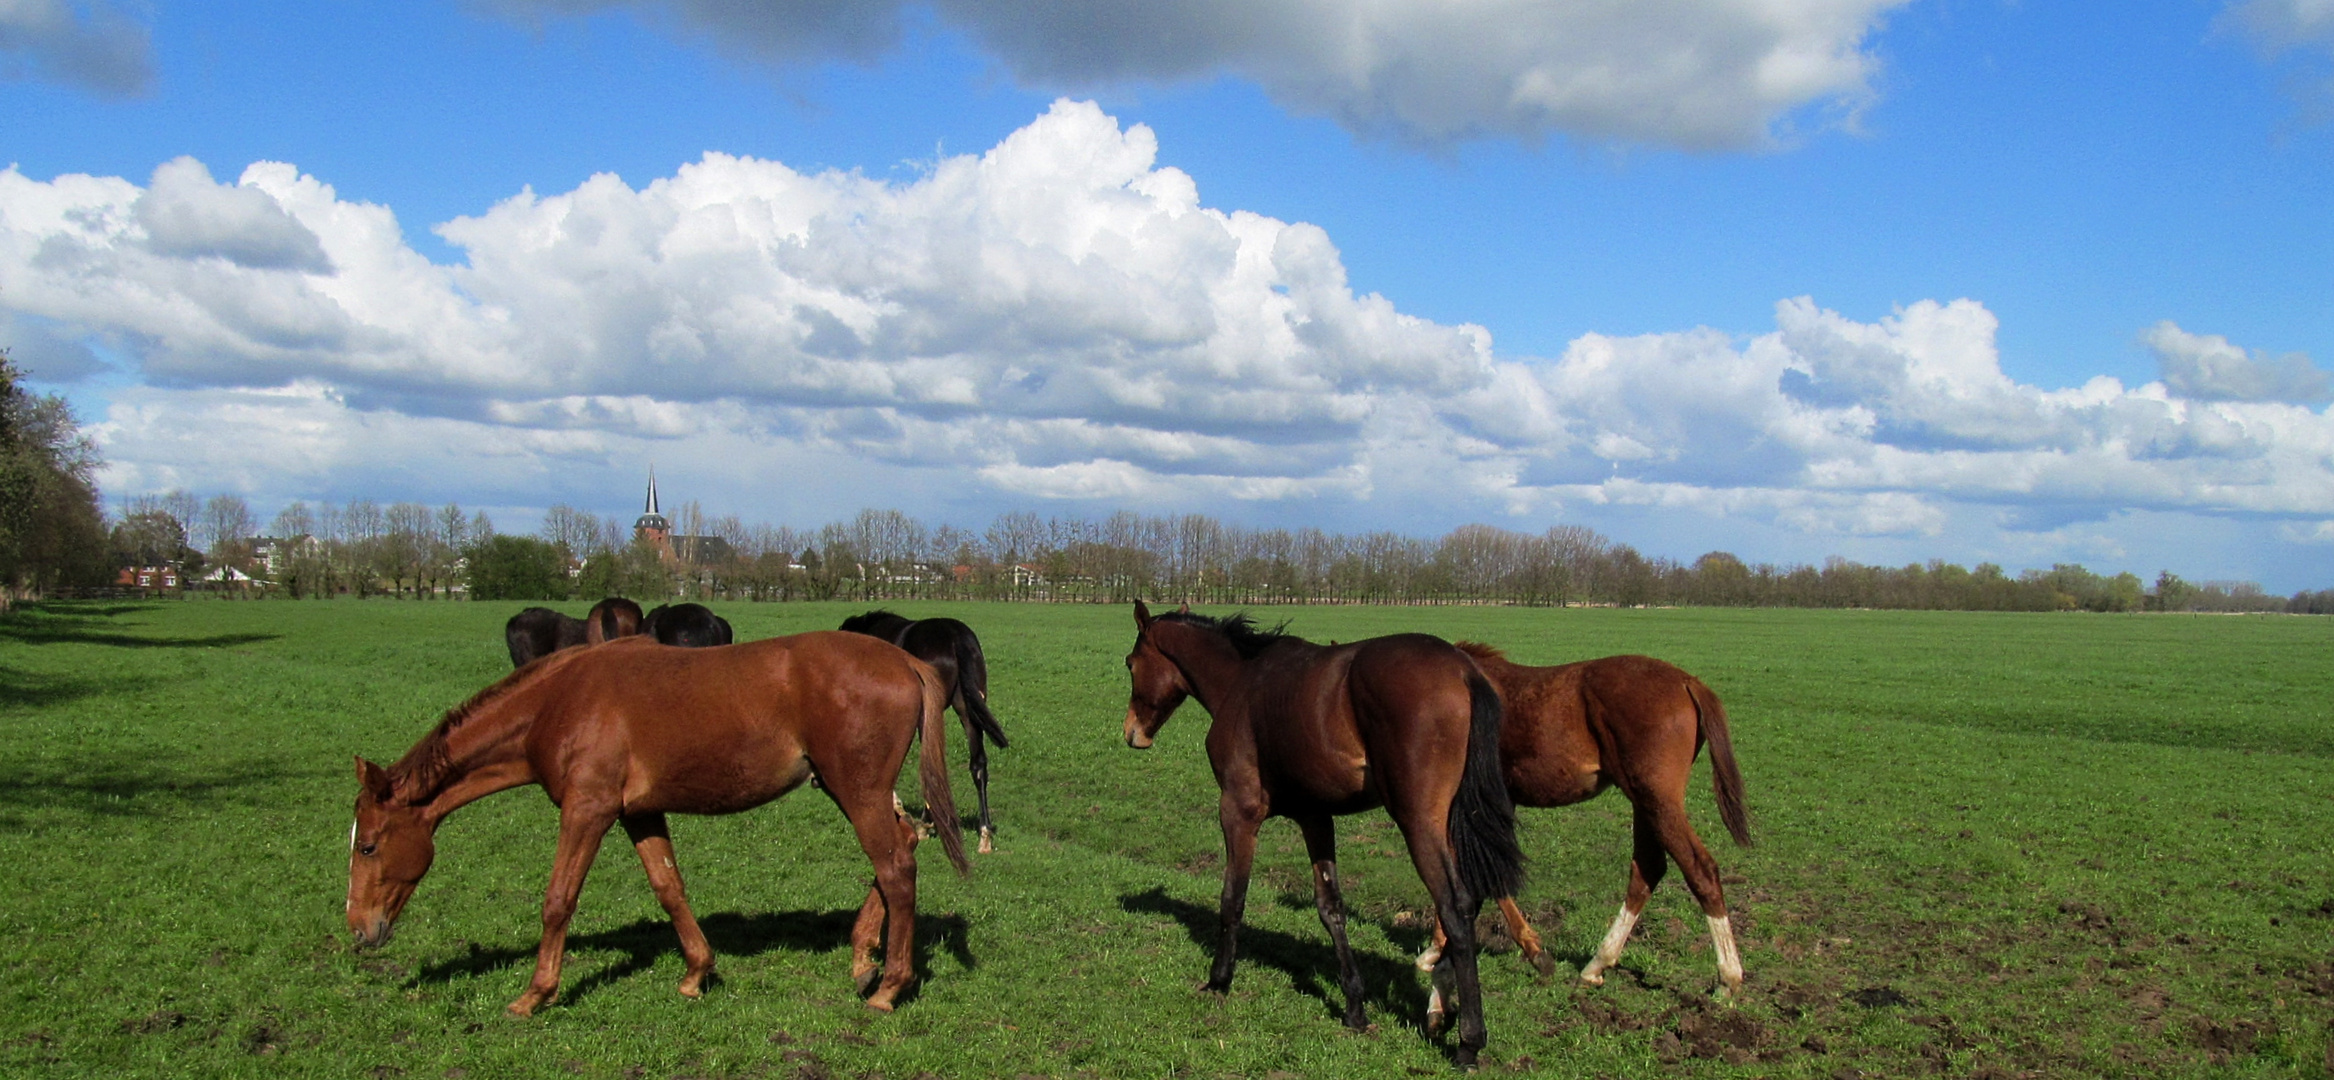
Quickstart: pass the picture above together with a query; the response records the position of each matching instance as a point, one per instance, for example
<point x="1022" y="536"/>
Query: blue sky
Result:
<point x="1580" y="309"/>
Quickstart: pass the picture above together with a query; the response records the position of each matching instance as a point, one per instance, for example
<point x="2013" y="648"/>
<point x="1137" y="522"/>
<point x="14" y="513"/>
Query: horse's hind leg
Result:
<point x="888" y="838"/>
<point x="1701" y="872"/>
<point x="1527" y="940"/>
<point x="580" y="830"/>
<point x="1321" y="847"/>
<point x="867" y="931"/>
<point x="1646" y="868"/>
<point x="655" y="846"/>
<point x="979" y="766"/>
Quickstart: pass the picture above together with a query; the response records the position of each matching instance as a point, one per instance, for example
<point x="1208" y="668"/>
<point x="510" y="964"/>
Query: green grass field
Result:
<point x="1988" y="845"/>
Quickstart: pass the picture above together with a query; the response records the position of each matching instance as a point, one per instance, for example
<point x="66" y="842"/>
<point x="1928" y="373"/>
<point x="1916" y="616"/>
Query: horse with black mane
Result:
<point x="629" y="732"/>
<point x="540" y="631"/>
<point x="955" y="652"/>
<point x="1310" y="732"/>
<point x="1635" y="723"/>
<point x="693" y="626"/>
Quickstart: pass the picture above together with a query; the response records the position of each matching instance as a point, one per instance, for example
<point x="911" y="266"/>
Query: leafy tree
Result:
<point x="51" y="529"/>
<point x="517" y="568"/>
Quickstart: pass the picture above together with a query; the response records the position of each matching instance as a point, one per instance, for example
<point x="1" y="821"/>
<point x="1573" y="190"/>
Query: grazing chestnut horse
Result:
<point x="952" y="650"/>
<point x="1309" y="732"/>
<point x="540" y="631"/>
<point x="692" y="626"/>
<point x="630" y="731"/>
<point x="1635" y="723"/>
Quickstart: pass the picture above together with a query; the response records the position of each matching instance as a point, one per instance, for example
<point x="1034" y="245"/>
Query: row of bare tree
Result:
<point x="407" y="549"/>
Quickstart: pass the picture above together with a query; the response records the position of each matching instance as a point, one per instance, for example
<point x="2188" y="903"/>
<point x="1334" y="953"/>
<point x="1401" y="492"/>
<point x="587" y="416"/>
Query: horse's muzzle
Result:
<point x="374" y="934"/>
<point x="1135" y="735"/>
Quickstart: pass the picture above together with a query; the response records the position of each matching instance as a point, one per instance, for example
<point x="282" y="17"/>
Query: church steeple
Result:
<point x="652" y="525"/>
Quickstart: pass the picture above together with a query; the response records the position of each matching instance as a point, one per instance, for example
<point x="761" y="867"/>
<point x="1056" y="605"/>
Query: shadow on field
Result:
<point x="33" y="689"/>
<point x="731" y="934"/>
<point x="126" y="786"/>
<point x="56" y="624"/>
<point x="1392" y="986"/>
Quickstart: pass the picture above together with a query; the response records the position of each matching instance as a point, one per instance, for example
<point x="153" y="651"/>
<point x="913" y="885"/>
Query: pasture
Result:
<point x="1988" y="845"/>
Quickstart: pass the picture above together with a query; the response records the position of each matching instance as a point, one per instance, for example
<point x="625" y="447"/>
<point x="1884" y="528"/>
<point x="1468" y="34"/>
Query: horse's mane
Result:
<point x="418" y="775"/>
<point x="860" y="623"/>
<point x="1246" y="637"/>
<point x="1479" y="650"/>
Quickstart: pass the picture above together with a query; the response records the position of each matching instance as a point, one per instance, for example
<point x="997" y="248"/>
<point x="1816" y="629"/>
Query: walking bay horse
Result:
<point x="953" y="651"/>
<point x="540" y="631"/>
<point x="1309" y="732"/>
<point x="1635" y="723"/>
<point x="630" y="731"/>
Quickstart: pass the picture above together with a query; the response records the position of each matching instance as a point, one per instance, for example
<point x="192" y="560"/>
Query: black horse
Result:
<point x="540" y="631"/>
<point x="952" y="650"/>
<point x="692" y="626"/>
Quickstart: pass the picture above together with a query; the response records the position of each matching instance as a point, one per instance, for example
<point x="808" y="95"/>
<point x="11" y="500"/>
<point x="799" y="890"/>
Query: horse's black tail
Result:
<point x="1482" y="822"/>
<point x="972" y="687"/>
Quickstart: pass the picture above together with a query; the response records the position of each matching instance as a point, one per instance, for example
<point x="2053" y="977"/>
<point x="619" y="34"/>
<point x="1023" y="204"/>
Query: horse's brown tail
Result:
<point x="932" y="771"/>
<point x="1482" y="821"/>
<point x="1725" y="778"/>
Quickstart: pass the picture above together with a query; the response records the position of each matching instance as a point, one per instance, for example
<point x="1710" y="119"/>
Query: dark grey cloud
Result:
<point x="91" y="44"/>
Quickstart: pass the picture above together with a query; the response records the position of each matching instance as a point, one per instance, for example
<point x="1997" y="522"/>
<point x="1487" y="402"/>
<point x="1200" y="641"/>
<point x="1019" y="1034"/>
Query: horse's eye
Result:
<point x="367" y="850"/>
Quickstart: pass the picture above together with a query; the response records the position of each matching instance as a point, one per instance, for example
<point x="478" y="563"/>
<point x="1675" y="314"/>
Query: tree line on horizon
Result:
<point x="362" y="548"/>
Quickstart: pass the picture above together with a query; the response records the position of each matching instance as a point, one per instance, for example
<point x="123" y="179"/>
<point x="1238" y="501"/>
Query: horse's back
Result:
<point x="712" y="730"/>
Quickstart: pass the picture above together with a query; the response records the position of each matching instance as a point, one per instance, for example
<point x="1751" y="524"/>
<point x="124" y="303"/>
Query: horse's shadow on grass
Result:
<point x="1391" y="986"/>
<point x="125" y="785"/>
<point x="73" y="624"/>
<point x="731" y="934"/>
<point x="36" y="690"/>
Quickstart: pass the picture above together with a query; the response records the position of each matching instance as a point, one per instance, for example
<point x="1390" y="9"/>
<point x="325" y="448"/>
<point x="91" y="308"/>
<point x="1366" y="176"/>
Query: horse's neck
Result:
<point x="486" y="752"/>
<point x="1211" y="666"/>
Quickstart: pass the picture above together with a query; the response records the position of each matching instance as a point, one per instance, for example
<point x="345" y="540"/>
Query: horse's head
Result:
<point x="1157" y="684"/>
<point x="390" y="848"/>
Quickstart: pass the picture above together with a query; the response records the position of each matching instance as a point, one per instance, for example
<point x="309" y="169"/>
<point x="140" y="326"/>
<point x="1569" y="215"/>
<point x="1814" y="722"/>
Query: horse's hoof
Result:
<point x="1592" y="978"/>
<point x="864" y="981"/>
<point x="882" y="1005"/>
<point x="527" y="1004"/>
<point x="1465" y="1059"/>
<point x="986" y="847"/>
<point x="1543" y="963"/>
<point x="1211" y="987"/>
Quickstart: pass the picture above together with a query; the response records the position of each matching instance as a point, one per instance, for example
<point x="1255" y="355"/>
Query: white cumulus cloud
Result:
<point x="1056" y="318"/>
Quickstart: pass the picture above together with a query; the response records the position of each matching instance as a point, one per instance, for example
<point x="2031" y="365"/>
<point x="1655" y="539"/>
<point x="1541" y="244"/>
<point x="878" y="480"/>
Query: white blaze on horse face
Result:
<point x="1609" y="953"/>
<point x="352" y="837"/>
<point x="1729" y="961"/>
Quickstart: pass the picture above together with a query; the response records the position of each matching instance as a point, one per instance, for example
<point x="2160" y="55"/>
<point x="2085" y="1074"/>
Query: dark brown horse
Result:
<point x="1635" y="723"/>
<point x="540" y="631"/>
<point x="630" y="731"/>
<point x="1309" y="732"/>
<point x="953" y="651"/>
<point x="692" y="626"/>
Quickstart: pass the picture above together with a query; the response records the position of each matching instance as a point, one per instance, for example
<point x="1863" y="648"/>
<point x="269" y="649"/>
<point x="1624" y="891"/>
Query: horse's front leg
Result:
<point x="580" y="830"/>
<point x="655" y="846"/>
<point x="1240" y="814"/>
<point x="1321" y="848"/>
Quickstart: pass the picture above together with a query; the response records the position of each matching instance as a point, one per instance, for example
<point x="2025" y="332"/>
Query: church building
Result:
<point x="653" y="528"/>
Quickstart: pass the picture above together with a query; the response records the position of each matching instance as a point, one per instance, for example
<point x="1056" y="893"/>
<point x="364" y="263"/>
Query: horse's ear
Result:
<point x="1184" y="610"/>
<point x="1142" y="615"/>
<point x="375" y="780"/>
